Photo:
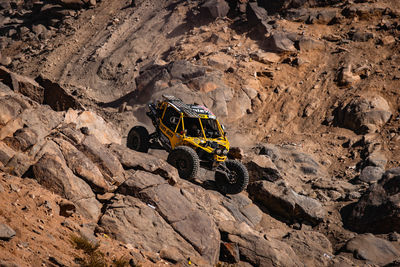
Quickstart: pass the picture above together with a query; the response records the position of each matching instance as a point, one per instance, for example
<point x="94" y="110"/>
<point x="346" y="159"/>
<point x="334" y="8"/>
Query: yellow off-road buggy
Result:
<point x="193" y="137"/>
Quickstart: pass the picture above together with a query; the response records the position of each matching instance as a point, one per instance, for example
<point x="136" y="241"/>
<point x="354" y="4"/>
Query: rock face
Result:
<point x="191" y="83"/>
<point x="365" y="114"/>
<point x="377" y="211"/>
<point x="280" y="199"/>
<point x="376" y="250"/>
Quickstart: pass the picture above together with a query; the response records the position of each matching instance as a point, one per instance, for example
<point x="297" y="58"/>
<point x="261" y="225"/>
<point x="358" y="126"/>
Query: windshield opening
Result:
<point x="211" y="128"/>
<point x="192" y="126"/>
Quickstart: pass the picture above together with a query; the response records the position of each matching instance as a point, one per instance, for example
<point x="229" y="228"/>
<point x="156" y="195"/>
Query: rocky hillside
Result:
<point x="309" y="93"/>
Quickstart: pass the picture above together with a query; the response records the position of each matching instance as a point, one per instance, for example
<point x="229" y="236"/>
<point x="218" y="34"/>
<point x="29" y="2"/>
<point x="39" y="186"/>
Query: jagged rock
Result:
<point x="51" y="171"/>
<point x="57" y="97"/>
<point x="377" y="159"/>
<point x="131" y="159"/>
<point x="258" y="17"/>
<point x="261" y="167"/>
<point x="6" y="232"/>
<point x="216" y="8"/>
<point x="371" y="174"/>
<point x="103" y="131"/>
<point x="373" y="249"/>
<point x="313" y="248"/>
<point x="283" y="201"/>
<point x="131" y="221"/>
<point x="108" y="163"/>
<point x="279" y="42"/>
<point x="22" y="84"/>
<point x="378" y="210"/>
<point x="362" y="112"/>
<point x="83" y="167"/>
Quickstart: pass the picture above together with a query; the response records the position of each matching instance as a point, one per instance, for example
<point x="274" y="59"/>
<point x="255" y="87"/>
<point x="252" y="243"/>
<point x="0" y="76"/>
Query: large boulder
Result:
<point x="258" y="17"/>
<point x="258" y="249"/>
<point x="191" y="223"/>
<point x="283" y="201"/>
<point x="52" y="172"/>
<point x="134" y="222"/>
<point x="373" y="249"/>
<point x="364" y="114"/>
<point x="215" y="8"/>
<point x="108" y="163"/>
<point x="378" y="210"/>
<point x="279" y="42"/>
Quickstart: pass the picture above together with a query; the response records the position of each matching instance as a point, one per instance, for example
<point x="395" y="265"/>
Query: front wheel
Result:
<point x="138" y="139"/>
<point x="185" y="160"/>
<point x="232" y="178"/>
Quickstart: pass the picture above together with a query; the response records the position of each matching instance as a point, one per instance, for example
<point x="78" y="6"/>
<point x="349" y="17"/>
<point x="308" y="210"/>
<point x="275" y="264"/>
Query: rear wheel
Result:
<point x="185" y="160"/>
<point x="138" y="139"/>
<point x="232" y="178"/>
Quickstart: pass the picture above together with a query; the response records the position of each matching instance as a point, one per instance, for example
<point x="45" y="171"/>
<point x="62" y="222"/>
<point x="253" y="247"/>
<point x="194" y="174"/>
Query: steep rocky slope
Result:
<point x="309" y="91"/>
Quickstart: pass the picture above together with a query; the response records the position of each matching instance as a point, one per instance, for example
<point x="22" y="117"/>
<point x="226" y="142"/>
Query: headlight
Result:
<point x="218" y="151"/>
<point x="225" y="152"/>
